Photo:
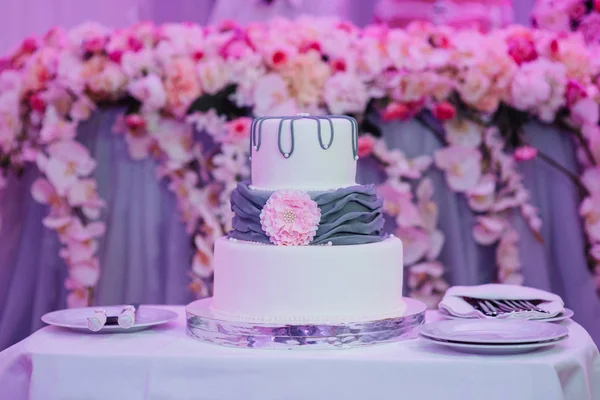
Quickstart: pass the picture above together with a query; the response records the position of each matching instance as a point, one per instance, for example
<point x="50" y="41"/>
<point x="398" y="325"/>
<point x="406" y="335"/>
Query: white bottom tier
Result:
<point x="256" y="282"/>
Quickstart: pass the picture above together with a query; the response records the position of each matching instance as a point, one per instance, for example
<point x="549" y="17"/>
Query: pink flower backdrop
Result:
<point x="473" y="91"/>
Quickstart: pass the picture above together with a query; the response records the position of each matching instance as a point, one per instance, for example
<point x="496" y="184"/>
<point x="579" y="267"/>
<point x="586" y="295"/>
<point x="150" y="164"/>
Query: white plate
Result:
<point x="494" y="349"/>
<point x="484" y="331"/>
<point x="557" y="318"/>
<point x="76" y="318"/>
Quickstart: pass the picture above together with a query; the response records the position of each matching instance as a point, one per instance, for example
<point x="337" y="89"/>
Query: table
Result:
<point x="165" y="363"/>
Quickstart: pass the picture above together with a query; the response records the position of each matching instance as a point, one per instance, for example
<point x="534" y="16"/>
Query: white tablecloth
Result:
<point x="165" y="363"/>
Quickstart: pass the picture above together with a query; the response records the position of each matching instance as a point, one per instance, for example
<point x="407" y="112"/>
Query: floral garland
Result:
<point x="569" y="15"/>
<point x="189" y="93"/>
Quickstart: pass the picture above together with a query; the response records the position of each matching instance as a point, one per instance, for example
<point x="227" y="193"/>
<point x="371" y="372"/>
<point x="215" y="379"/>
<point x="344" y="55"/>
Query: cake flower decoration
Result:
<point x="290" y="218"/>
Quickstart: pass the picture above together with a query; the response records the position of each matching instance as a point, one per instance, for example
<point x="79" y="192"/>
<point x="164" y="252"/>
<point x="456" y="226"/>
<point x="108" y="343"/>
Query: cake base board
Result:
<point x="203" y="325"/>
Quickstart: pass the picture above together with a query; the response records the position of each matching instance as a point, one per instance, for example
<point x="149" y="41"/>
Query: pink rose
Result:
<point x="290" y="218"/>
<point x="525" y="153"/>
<point x="590" y="28"/>
<point x="577" y="10"/>
<point x="365" y="145"/>
<point x="181" y="85"/>
<point x="521" y="47"/>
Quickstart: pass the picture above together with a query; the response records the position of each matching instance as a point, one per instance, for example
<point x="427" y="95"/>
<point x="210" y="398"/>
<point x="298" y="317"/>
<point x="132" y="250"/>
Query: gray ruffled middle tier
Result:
<point x="350" y="215"/>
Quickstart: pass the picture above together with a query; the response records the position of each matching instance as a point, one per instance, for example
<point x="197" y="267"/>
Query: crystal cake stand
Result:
<point x="204" y="326"/>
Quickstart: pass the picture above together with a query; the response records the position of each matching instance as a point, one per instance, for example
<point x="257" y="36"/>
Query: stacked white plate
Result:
<point x="568" y="313"/>
<point x="490" y="336"/>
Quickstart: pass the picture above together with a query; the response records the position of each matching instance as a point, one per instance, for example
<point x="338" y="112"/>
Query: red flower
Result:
<point x="37" y="103"/>
<point x="444" y="111"/>
<point x="135" y="122"/>
<point x="554" y="46"/>
<point x="311" y="46"/>
<point x="115" y="56"/>
<point x="198" y="55"/>
<point x="338" y="65"/>
<point x="521" y="48"/>
<point x="394" y="111"/>
<point x="278" y="57"/>
<point x="597" y="5"/>
<point x="440" y="41"/>
<point x="238" y="130"/>
<point x="29" y="45"/>
<point x="135" y="44"/>
<point x="365" y="145"/>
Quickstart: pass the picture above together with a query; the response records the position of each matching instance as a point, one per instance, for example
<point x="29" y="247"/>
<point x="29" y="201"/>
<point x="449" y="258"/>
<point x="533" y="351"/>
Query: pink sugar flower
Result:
<point x="290" y="218"/>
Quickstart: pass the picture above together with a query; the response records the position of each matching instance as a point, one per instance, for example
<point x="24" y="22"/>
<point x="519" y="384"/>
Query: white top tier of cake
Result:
<point x="304" y="152"/>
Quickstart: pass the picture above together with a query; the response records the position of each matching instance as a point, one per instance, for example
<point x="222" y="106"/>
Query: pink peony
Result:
<point x="345" y="93"/>
<point x="214" y="75"/>
<point x="525" y="153"/>
<point x="150" y="91"/>
<point x="271" y="96"/>
<point x="365" y="145"/>
<point x="521" y="47"/>
<point x="290" y="218"/>
<point x="182" y="85"/>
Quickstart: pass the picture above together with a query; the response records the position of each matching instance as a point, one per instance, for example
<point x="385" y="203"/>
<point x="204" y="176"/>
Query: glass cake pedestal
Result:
<point x="204" y="326"/>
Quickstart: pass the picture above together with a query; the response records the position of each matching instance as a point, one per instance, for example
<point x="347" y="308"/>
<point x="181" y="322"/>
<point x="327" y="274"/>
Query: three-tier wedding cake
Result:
<point x="307" y="244"/>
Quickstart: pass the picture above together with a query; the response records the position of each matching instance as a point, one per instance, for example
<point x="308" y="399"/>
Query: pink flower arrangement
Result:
<point x="48" y="85"/>
<point x="290" y="218"/>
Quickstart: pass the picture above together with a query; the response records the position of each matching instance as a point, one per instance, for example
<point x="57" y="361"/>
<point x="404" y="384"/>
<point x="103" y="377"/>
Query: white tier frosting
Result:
<point x="266" y="283"/>
<point x="308" y="165"/>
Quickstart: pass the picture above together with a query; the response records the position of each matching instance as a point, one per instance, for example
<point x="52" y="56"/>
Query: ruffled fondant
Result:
<point x="351" y="215"/>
